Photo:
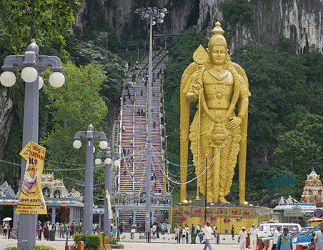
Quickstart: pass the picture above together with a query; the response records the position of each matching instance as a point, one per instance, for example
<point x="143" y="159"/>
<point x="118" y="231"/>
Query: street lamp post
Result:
<point x="31" y="65"/>
<point x="151" y="14"/>
<point x="89" y="136"/>
<point x="108" y="157"/>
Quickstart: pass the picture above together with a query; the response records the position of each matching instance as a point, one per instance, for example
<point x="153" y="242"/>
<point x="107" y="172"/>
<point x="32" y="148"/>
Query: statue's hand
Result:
<point x="234" y="122"/>
<point x="198" y="86"/>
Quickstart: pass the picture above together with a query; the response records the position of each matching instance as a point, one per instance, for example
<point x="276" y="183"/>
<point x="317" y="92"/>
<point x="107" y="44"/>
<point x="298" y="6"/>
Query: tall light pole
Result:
<point x="108" y="157"/>
<point x="151" y="14"/>
<point x="89" y="136"/>
<point x="31" y="65"/>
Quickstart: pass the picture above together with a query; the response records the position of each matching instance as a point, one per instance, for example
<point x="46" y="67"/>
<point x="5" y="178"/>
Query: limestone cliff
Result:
<point x="6" y="119"/>
<point x="299" y="20"/>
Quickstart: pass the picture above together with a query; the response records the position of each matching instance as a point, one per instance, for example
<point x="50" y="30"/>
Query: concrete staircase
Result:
<point x="133" y="123"/>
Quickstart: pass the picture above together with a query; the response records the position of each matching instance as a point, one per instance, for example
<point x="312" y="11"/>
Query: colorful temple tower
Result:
<point x="313" y="189"/>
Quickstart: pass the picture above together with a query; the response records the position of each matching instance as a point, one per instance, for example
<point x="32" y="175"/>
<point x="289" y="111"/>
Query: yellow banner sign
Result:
<point x="31" y="199"/>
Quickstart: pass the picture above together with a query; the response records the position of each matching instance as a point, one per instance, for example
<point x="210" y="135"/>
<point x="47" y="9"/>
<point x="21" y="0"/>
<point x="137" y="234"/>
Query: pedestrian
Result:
<point x="154" y="229"/>
<point x="57" y="226"/>
<point x="232" y="232"/>
<point x="39" y="229"/>
<point x="276" y="235"/>
<point x="132" y="231"/>
<point x="200" y="233"/>
<point x="61" y="230"/>
<point x="72" y="229"/>
<point x="285" y="240"/>
<point x="187" y="232"/>
<point x="311" y="246"/>
<point x="65" y="228"/>
<point x="177" y="234"/>
<point x="157" y="230"/>
<point x="45" y="231"/>
<point x="242" y="238"/>
<point x="121" y="228"/>
<point x="207" y="231"/>
<point x="154" y="124"/>
<point x="141" y="92"/>
<point x="318" y="238"/>
<point x="168" y="228"/>
<point x="253" y="237"/>
<point x="193" y="237"/>
<point x="5" y="229"/>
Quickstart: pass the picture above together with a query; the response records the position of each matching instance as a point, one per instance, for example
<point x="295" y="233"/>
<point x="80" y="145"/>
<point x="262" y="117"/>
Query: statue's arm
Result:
<point x="191" y="90"/>
<point x="243" y="104"/>
<point x="244" y="98"/>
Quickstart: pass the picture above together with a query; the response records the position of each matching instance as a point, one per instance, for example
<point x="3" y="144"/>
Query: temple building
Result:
<point x="62" y="206"/>
<point x="313" y="189"/>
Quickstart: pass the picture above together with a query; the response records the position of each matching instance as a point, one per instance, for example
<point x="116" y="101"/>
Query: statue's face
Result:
<point x="218" y="54"/>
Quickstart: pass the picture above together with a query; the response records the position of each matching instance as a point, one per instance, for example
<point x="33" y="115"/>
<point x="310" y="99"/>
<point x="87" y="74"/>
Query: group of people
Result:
<point x="62" y="230"/>
<point x="281" y="241"/>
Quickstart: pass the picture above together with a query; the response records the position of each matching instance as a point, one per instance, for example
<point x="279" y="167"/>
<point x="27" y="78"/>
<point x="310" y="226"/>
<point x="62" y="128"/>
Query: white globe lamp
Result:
<point x="29" y="74"/>
<point x="98" y="161"/>
<point x="107" y="161"/>
<point x="41" y="82"/>
<point x="103" y="144"/>
<point x="77" y="144"/>
<point x="8" y="79"/>
<point x="57" y="79"/>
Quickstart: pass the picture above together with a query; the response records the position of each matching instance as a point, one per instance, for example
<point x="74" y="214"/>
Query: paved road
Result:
<point x="60" y="245"/>
<point x="165" y="242"/>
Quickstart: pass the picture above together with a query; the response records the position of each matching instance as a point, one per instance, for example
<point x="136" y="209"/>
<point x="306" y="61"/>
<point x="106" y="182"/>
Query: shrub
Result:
<point x="79" y="237"/>
<point x="42" y="247"/>
<point x="93" y="242"/>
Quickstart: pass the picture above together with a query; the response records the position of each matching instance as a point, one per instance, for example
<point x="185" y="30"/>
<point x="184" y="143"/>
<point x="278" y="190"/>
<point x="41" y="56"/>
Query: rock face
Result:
<point x="119" y="16"/>
<point x="6" y="119"/>
<point x="299" y="20"/>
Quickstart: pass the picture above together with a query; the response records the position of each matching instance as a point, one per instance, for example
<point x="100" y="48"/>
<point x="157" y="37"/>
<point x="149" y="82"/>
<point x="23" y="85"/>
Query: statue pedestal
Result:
<point x="221" y="215"/>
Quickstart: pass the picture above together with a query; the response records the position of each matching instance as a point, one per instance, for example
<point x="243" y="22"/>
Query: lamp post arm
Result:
<point x="99" y="154"/>
<point x="53" y="61"/>
<point x="100" y="135"/>
<point x="11" y="61"/>
<point x="79" y="135"/>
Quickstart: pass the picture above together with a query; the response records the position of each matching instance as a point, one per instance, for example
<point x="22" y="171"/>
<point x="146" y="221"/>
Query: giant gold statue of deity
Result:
<point x="218" y="132"/>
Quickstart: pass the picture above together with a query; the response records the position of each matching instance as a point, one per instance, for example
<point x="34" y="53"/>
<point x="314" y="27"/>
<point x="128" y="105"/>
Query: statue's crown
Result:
<point x="217" y="38"/>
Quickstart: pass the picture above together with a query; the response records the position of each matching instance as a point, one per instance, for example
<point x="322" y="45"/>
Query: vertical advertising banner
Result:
<point x="31" y="199"/>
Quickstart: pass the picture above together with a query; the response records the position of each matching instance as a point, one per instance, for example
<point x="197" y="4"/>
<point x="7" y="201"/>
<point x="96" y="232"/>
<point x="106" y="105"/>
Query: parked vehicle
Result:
<point x="304" y="238"/>
<point x="266" y="230"/>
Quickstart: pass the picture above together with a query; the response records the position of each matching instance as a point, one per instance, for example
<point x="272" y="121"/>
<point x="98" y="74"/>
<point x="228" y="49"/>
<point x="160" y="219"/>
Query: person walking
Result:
<point x="177" y="234"/>
<point x="39" y="228"/>
<point x="72" y="227"/>
<point x="318" y="238"/>
<point x="285" y="240"/>
<point x="193" y="235"/>
<point x="61" y="230"/>
<point x="242" y="238"/>
<point x="232" y="232"/>
<point x="207" y="231"/>
<point x="187" y="229"/>
<point x="253" y="237"/>
<point x="200" y="233"/>
<point x="276" y="235"/>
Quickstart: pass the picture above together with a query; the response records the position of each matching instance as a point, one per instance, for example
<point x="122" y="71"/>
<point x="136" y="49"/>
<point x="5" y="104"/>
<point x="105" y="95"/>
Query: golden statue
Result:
<point x="218" y="135"/>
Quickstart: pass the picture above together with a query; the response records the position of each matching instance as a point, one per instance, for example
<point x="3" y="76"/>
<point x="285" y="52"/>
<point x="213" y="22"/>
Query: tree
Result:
<point x="301" y="147"/>
<point x="45" y="21"/>
<point x="73" y="107"/>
